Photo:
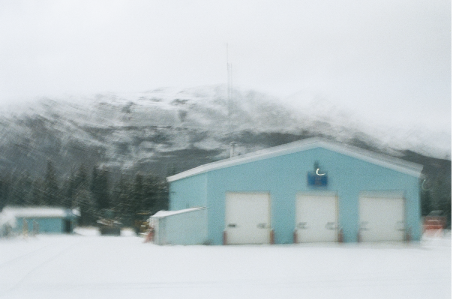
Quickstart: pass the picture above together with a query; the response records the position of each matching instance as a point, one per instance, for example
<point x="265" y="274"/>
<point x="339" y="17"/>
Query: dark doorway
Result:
<point x="67" y="226"/>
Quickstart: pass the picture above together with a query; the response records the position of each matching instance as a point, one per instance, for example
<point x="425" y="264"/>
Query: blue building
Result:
<point x="307" y="191"/>
<point x="37" y="220"/>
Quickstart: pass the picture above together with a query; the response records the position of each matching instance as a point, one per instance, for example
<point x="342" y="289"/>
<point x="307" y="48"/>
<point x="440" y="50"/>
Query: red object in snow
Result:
<point x="150" y="236"/>
<point x="434" y="223"/>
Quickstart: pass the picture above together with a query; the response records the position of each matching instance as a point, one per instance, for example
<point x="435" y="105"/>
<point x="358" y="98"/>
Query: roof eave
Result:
<point x="396" y="164"/>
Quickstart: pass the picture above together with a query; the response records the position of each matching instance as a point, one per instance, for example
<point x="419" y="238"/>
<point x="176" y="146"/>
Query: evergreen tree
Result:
<point x="83" y="199"/>
<point x="150" y="190"/>
<point x="72" y="184"/>
<point x="156" y="193"/>
<point x="28" y="189"/>
<point x="16" y="196"/>
<point x="121" y="197"/>
<point x="99" y="188"/>
<point x="3" y="193"/>
<point x="51" y="190"/>
<point x="138" y="194"/>
<point x="68" y="191"/>
<point x="37" y="193"/>
<point x="171" y="170"/>
<point x="23" y="189"/>
<point x="162" y="196"/>
<point x="125" y="202"/>
<point x="8" y="187"/>
<point x="426" y="205"/>
<point x="81" y="177"/>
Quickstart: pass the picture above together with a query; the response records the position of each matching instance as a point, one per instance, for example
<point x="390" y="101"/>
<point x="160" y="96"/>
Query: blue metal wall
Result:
<point x="188" y="192"/>
<point x="46" y="225"/>
<point x="286" y="175"/>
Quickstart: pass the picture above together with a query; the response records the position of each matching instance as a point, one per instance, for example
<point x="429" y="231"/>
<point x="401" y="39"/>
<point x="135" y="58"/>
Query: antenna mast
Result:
<point x="229" y="95"/>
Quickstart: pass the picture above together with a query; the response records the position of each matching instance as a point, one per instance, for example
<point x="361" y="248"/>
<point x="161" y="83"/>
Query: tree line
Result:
<point x="135" y="196"/>
<point x="90" y="190"/>
<point x="436" y="197"/>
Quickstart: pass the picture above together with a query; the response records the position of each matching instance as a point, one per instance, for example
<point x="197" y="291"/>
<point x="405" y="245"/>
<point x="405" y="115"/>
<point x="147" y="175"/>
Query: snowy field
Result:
<point x="91" y="266"/>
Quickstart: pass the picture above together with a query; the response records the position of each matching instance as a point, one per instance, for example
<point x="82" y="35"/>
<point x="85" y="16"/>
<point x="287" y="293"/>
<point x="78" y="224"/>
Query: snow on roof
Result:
<point x="7" y="218"/>
<point x="165" y="213"/>
<point x="396" y="164"/>
<point x="36" y="212"/>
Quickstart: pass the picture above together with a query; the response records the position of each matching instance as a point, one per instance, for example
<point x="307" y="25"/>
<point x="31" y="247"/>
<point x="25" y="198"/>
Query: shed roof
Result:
<point x="165" y="213"/>
<point x="37" y="212"/>
<point x="386" y="161"/>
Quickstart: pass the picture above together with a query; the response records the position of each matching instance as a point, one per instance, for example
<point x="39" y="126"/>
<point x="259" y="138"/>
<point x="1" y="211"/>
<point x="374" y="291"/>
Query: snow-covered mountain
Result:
<point x="167" y="130"/>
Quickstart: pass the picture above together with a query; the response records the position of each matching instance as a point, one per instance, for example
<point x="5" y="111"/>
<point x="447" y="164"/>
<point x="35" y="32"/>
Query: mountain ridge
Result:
<point x="167" y="129"/>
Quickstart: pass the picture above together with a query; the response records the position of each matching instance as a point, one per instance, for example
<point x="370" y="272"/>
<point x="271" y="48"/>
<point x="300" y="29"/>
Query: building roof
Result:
<point x="165" y="213"/>
<point x="386" y="161"/>
<point x="37" y="212"/>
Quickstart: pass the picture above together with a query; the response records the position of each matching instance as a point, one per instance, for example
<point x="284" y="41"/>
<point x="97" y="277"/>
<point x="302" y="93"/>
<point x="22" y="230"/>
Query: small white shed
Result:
<point x="180" y="227"/>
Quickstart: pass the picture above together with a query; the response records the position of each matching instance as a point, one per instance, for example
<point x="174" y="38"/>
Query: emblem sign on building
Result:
<point x="317" y="177"/>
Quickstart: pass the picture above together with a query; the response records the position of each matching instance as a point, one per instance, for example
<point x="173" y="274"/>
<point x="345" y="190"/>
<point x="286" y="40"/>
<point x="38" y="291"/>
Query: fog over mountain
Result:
<point x="169" y="130"/>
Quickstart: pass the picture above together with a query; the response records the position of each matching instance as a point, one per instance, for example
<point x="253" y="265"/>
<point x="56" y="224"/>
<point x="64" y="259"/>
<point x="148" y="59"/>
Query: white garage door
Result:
<point x="316" y="219"/>
<point x="381" y="219"/>
<point x="248" y="218"/>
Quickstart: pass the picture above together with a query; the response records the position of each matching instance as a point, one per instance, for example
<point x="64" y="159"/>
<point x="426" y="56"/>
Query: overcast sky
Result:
<point x="386" y="60"/>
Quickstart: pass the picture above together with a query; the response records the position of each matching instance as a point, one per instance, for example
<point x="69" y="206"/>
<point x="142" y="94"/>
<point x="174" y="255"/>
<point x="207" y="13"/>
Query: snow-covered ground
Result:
<point x="87" y="265"/>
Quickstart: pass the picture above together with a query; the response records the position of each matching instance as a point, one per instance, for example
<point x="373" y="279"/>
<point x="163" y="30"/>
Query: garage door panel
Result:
<point x="248" y="218"/>
<point x="316" y="218"/>
<point x="382" y="219"/>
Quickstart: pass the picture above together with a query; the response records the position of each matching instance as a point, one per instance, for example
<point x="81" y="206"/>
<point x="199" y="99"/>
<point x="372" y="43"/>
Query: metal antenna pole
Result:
<point x="229" y="95"/>
<point x="228" y="89"/>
